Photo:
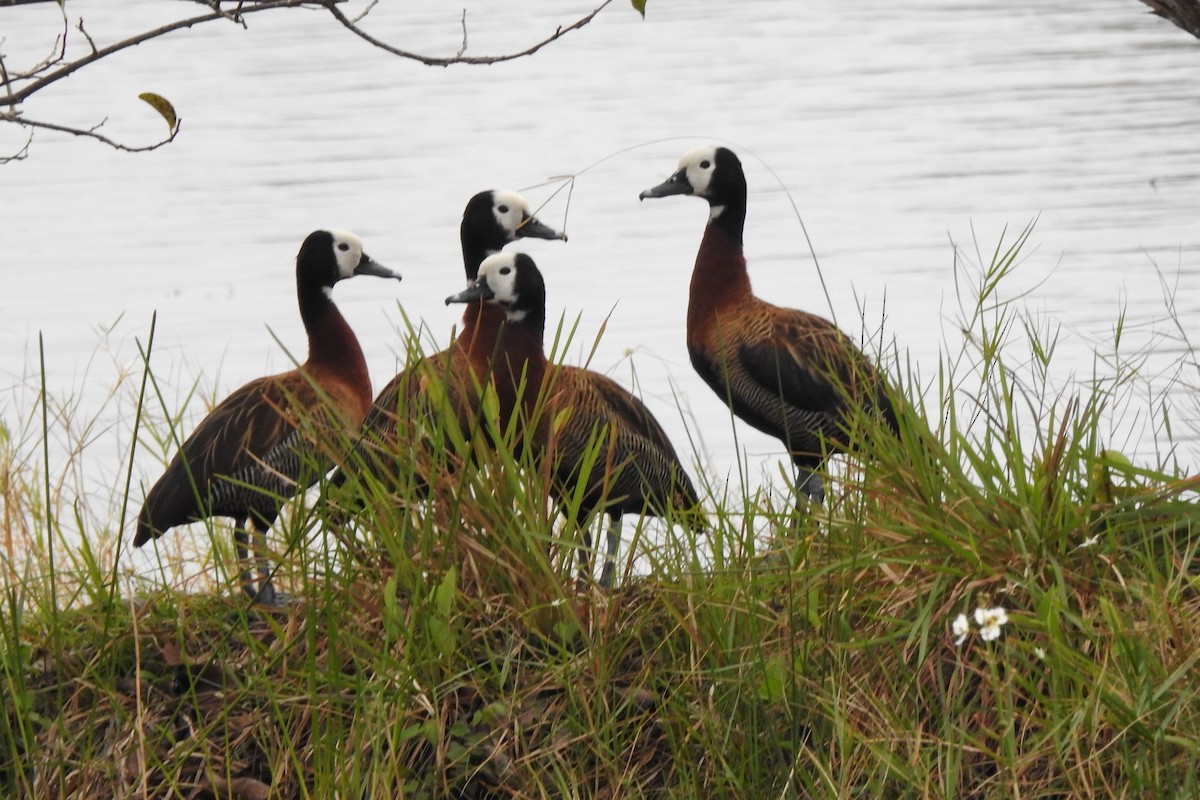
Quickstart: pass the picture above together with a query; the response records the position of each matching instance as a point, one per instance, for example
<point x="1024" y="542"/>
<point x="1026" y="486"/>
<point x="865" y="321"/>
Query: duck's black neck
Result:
<point x="330" y="340"/>
<point x="531" y="327"/>
<point x="520" y="353"/>
<point x="730" y="219"/>
<point x="474" y="252"/>
<point x="719" y="277"/>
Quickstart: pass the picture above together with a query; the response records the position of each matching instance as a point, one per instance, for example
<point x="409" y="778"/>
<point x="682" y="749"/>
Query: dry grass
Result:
<point x="439" y="649"/>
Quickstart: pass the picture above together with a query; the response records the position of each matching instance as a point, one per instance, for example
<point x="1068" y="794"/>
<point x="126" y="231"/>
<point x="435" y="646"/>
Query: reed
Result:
<point x="439" y="648"/>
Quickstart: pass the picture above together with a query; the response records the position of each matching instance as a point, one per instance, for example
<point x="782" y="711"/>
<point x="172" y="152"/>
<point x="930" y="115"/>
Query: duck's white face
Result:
<point x="347" y="250"/>
<point x="510" y="210"/>
<point x="698" y="166"/>
<point x="500" y="272"/>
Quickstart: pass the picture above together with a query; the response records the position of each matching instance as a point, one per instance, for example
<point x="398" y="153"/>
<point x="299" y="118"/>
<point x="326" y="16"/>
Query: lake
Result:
<point x="905" y="137"/>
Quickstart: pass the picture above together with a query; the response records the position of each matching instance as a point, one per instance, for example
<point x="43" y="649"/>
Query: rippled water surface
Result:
<point x="895" y="131"/>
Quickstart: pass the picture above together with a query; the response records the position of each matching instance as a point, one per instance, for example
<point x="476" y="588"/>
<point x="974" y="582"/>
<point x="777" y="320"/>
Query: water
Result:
<point x="896" y="129"/>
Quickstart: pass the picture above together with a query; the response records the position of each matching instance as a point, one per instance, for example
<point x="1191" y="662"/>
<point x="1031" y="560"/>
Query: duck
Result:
<point x="491" y="220"/>
<point x="786" y="372"/>
<point x="573" y="411"/>
<point x="271" y="437"/>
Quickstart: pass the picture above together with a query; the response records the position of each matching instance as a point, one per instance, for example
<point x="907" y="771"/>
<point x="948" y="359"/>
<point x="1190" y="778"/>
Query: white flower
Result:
<point x="961" y="628"/>
<point x="1040" y="653"/>
<point x="1088" y="542"/>
<point x="989" y="621"/>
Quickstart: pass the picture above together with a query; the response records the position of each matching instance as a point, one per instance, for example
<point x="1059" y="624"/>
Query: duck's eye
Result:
<point x="503" y="209"/>
<point x="505" y="270"/>
<point x="343" y="246"/>
<point x="705" y="164"/>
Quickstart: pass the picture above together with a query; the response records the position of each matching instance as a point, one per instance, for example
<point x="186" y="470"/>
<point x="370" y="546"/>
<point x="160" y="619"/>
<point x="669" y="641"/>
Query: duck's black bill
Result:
<point x="676" y="184"/>
<point x="534" y="228"/>
<point x="369" y="266"/>
<point x="479" y="290"/>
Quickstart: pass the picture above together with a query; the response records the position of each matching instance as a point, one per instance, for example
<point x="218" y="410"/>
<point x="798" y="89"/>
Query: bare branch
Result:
<point x="72" y="66"/>
<point x="89" y="133"/>
<point x="460" y="59"/>
<point x="16" y="87"/>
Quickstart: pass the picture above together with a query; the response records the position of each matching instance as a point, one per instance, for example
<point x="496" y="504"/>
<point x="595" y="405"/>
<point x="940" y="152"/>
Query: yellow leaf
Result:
<point x="163" y="106"/>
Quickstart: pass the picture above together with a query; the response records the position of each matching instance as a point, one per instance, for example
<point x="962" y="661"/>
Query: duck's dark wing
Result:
<point x="232" y="440"/>
<point x="377" y="445"/>
<point x="643" y="468"/>
<point x="790" y="374"/>
<point x="437" y="392"/>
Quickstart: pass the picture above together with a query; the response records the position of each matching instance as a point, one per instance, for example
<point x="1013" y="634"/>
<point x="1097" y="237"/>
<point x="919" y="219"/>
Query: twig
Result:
<point x="86" y="35"/>
<point x="57" y="52"/>
<point x="367" y="10"/>
<point x="4" y="72"/>
<point x="21" y="154"/>
<point x="215" y="5"/>
<point x="463" y="49"/>
<point x="90" y="133"/>
<point x="460" y="59"/>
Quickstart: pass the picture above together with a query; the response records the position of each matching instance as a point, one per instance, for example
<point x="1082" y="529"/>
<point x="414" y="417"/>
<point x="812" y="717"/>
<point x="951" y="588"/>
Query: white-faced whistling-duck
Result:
<point x="636" y="471"/>
<point x="257" y="446"/>
<point x="491" y="220"/>
<point x="786" y="372"/>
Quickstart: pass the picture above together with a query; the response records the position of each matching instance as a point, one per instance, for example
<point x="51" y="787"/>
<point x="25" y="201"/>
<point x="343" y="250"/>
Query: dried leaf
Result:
<point x="163" y="106"/>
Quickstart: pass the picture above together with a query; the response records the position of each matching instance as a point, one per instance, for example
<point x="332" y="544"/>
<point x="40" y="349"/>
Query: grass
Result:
<point x="439" y="649"/>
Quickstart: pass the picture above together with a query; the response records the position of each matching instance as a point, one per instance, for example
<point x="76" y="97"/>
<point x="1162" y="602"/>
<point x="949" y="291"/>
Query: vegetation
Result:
<point x="439" y="648"/>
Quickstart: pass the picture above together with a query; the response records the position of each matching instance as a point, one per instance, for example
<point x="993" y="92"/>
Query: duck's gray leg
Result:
<point x="241" y="538"/>
<point x="266" y="588"/>
<point x="809" y="485"/>
<point x="251" y="540"/>
<point x="610" y="558"/>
